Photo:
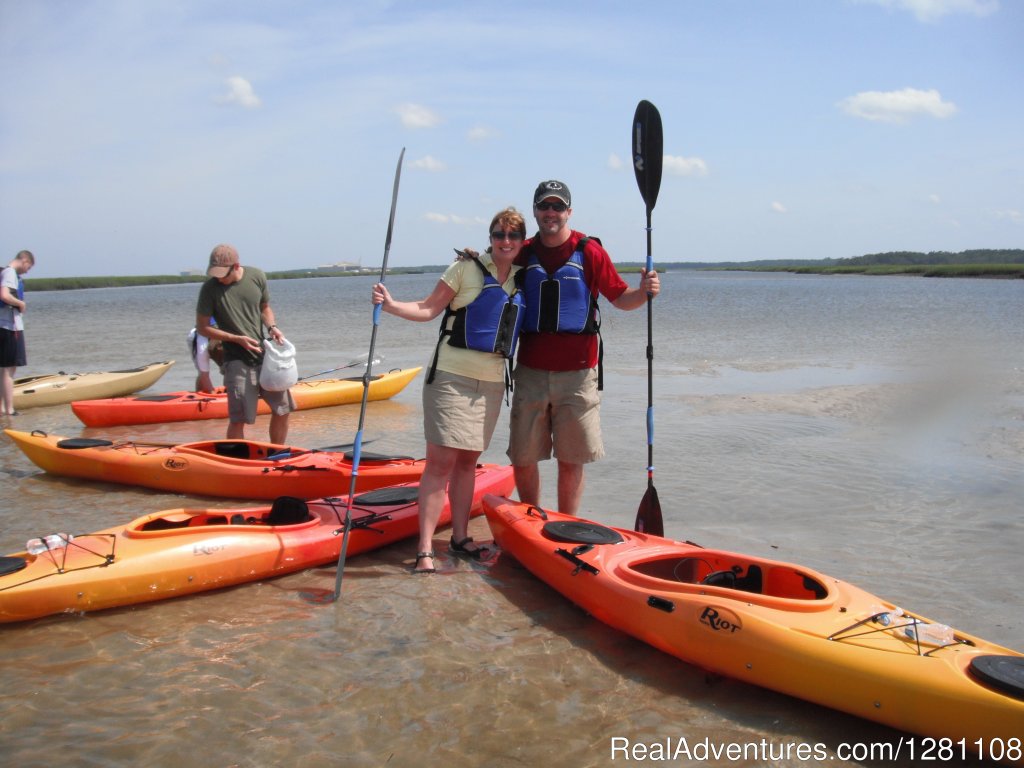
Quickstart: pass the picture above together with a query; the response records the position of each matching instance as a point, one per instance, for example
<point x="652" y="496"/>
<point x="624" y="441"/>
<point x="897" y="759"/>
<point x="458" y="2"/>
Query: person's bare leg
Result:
<point x="527" y="483"/>
<point x="570" y="487"/>
<point x="461" y="485"/>
<point x="278" y="428"/>
<point x="436" y="471"/>
<point x="7" y="392"/>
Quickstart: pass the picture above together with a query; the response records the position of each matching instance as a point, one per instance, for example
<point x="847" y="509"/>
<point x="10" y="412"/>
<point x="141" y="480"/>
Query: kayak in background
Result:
<point x="59" y="388"/>
<point x="239" y="469"/>
<point x="183" y="551"/>
<point x="187" y="406"/>
<point x="777" y="625"/>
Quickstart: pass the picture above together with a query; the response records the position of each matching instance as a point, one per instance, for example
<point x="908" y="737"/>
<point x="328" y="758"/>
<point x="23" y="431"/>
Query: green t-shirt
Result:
<point x="238" y="309"/>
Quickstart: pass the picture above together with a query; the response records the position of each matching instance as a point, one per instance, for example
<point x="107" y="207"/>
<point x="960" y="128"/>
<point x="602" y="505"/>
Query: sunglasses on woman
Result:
<point x="499" y="236"/>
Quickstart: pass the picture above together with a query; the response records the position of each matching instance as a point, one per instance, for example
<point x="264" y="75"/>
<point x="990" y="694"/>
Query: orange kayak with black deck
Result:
<point x="188" y="406"/>
<point x="238" y="469"/>
<point x="778" y="625"/>
<point x="183" y="551"/>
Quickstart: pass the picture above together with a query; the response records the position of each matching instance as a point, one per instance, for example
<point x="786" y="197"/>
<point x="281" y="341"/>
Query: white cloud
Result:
<point x="615" y="162"/>
<point x="417" y="116"/>
<point x="897" y="106"/>
<point x="779" y="207"/>
<point x="240" y="92"/>
<point x="685" y="166"/>
<point x="429" y="163"/>
<point x="450" y="218"/>
<point x="933" y="198"/>
<point x="933" y="10"/>
<point x="1012" y="215"/>
<point x="481" y="133"/>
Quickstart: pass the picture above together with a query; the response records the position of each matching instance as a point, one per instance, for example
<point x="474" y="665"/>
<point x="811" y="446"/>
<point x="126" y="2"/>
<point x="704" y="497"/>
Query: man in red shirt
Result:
<point x="556" y="404"/>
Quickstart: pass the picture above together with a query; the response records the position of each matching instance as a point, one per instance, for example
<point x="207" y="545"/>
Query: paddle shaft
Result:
<point x="650" y="365"/>
<point x="358" y="442"/>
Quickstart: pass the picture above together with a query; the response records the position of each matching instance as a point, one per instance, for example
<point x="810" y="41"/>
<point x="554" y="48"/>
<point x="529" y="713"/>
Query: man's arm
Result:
<point x="634" y="298"/>
<point x="268" y="320"/>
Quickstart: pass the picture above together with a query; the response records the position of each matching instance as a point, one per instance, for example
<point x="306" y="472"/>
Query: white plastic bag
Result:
<point x="279" y="370"/>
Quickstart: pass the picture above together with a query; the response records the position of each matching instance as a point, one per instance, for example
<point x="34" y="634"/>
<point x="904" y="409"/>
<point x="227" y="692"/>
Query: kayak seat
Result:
<point x="288" y="510"/>
<point x="751" y="582"/>
<point x="232" y="450"/>
<point x="720" y="579"/>
<point x="217" y="520"/>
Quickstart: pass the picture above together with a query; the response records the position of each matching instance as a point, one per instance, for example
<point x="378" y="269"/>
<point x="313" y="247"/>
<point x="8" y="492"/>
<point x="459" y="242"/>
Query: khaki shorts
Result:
<point x="242" y="383"/>
<point x="460" y="412"/>
<point x="558" y="410"/>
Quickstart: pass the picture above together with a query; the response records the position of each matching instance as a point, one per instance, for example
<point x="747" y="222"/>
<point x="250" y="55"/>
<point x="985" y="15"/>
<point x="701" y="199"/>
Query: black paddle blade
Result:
<point x="648" y="516"/>
<point x="647" y="151"/>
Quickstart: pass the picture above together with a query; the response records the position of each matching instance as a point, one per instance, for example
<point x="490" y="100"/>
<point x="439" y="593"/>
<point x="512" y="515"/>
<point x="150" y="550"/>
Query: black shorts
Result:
<point x="12" y="348"/>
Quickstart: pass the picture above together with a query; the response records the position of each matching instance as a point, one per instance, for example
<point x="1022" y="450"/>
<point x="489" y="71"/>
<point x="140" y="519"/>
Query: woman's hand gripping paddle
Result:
<point x="647" y="160"/>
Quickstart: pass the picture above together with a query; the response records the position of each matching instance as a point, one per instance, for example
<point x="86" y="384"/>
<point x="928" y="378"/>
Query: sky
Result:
<point x="135" y="136"/>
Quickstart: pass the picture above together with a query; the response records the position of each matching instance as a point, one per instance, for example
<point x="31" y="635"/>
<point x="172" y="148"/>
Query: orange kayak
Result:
<point x="777" y="625"/>
<point x="238" y="469"/>
<point x="184" y="551"/>
<point x="188" y="406"/>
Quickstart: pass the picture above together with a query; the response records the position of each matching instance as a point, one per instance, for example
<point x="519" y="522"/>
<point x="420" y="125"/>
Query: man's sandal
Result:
<point x="423" y="556"/>
<point x="459" y="548"/>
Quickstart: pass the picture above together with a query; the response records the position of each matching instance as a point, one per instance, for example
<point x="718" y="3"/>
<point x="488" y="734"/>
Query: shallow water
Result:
<point x="871" y="428"/>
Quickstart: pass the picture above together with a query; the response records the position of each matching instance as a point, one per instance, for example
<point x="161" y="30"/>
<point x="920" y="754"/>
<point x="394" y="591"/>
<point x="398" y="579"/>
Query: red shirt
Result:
<point x="569" y="351"/>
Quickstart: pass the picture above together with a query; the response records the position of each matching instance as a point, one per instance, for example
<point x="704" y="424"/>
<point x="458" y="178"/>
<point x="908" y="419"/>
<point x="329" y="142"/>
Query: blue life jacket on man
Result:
<point x="560" y="302"/>
<point x="489" y="323"/>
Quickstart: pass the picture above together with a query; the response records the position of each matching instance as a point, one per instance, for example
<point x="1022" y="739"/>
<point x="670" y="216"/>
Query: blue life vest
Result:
<point x="560" y="302"/>
<point x="489" y="323"/>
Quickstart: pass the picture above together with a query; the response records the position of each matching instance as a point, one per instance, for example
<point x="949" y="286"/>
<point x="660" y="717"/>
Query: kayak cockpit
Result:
<point x="244" y="450"/>
<point x="707" y="571"/>
<point x="285" y="511"/>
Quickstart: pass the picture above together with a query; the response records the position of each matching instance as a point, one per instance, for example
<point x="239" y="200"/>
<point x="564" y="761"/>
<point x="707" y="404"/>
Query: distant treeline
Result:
<point x="77" y="283"/>
<point x="981" y="262"/>
<point x="977" y="256"/>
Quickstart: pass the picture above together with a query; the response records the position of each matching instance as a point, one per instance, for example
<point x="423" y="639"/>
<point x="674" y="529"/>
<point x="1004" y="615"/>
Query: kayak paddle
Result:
<point x="647" y="161"/>
<point x="358" y="442"/>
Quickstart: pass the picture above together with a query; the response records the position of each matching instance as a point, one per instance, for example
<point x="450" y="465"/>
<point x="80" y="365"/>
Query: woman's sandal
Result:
<point x="459" y="548"/>
<point x="423" y="556"/>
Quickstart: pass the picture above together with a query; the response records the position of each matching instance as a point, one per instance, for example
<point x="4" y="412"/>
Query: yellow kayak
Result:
<point x="58" y="388"/>
<point x="183" y="551"/>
